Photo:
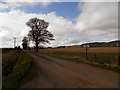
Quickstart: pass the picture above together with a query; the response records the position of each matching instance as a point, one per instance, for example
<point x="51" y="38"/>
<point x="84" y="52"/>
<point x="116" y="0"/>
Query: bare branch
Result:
<point x="39" y="32"/>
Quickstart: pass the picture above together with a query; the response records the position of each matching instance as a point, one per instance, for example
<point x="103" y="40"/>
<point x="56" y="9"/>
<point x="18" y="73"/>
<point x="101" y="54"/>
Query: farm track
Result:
<point x="57" y="73"/>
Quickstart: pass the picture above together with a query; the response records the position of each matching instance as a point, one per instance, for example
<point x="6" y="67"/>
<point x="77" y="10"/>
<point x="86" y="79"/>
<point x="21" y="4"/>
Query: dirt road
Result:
<point x="57" y="73"/>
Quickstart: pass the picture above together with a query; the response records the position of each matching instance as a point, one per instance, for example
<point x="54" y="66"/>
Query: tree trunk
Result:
<point x="36" y="46"/>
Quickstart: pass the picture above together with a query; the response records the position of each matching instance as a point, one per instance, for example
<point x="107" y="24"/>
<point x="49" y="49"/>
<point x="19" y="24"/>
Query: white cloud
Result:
<point x="29" y="0"/>
<point x="60" y="0"/>
<point x="7" y="5"/>
<point x="19" y="3"/>
<point x="95" y="19"/>
<point x="13" y="24"/>
<point x="98" y="19"/>
<point x="99" y="0"/>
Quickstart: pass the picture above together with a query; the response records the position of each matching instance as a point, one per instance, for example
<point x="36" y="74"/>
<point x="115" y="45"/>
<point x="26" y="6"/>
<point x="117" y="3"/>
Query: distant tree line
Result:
<point x="104" y="44"/>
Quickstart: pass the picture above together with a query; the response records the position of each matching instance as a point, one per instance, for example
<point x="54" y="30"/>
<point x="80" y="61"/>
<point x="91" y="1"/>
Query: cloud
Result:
<point x="97" y="21"/>
<point x="99" y="0"/>
<point x="29" y="0"/>
<point x="19" y="3"/>
<point x="14" y="5"/>
<point x="60" y="0"/>
<point x="8" y="5"/>
<point x="13" y="24"/>
<point x="98" y="18"/>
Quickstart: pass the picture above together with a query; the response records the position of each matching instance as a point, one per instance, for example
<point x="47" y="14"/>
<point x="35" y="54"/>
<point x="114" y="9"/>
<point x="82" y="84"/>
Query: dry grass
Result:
<point x="20" y="70"/>
<point x="78" y="49"/>
<point x="8" y="60"/>
<point x="100" y="56"/>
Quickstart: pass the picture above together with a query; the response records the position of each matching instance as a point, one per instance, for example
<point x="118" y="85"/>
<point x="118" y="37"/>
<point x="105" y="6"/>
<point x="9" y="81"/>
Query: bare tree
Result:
<point x="39" y="33"/>
<point x="25" y="43"/>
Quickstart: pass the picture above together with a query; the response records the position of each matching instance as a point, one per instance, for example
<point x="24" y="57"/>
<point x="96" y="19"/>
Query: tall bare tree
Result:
<point x="39" y="33"/>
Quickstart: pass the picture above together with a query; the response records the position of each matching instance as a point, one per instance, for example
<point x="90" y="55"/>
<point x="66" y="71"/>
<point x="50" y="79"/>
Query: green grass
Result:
<point x="20" y="69"/>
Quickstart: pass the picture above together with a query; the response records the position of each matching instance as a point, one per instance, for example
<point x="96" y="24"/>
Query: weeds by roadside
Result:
<point x="8" y="61"/>
<point x="20" y="69"/>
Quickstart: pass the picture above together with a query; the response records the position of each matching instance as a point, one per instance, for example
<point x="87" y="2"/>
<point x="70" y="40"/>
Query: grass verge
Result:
<point x="107" y="60"/>
<point x="20" y="69"/>
<point x="82" y="60"/>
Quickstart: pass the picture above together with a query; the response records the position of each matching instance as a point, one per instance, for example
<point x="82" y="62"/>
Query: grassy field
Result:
<point x="106" y="57"/>
<point x="20" y="69"/>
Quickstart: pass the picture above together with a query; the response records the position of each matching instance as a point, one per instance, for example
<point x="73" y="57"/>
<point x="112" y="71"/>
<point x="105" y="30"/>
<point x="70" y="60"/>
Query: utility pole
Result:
<point x="14" y="41"/>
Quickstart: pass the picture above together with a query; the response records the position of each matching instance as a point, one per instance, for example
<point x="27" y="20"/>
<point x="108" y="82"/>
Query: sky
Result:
<point x="71" y="23"/>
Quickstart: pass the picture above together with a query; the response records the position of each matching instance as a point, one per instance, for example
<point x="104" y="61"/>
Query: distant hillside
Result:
<point x="103" y="44"/>
<point x="97" y="44"/>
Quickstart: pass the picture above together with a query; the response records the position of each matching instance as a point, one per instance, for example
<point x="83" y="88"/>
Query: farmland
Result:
<point x="105" y="57"/>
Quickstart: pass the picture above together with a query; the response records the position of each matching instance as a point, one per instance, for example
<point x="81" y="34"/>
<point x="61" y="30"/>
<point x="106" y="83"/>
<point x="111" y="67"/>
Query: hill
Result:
<point x="104" y="44"/>
<point x="115" y="43"/>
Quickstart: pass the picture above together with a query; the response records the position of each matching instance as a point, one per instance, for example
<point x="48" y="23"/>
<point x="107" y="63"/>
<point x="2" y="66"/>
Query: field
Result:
<point x="106" y="57"/>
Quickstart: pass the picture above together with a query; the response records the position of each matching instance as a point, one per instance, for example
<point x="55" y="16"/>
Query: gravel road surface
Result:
<point x="57" y="73"/>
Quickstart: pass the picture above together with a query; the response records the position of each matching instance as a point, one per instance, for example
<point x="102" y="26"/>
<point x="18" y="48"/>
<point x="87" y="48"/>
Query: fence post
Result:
<point x="86" y="53"/>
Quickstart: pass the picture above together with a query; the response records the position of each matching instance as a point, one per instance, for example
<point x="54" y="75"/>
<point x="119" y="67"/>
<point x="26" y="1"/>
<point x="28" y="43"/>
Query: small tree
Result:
<point x="39" y="33"/>
<point x="25" y="43"/>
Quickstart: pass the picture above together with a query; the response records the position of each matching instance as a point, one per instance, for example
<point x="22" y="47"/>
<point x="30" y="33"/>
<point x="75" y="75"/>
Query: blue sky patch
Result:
<point x="67" y="10"/>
